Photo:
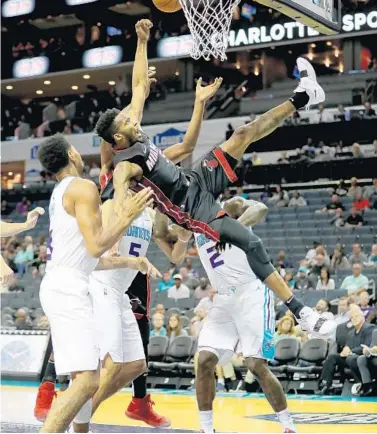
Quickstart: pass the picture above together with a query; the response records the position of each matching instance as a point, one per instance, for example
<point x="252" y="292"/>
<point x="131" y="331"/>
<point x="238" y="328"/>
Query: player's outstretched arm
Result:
<point x="180" y="151"/>
<point x="83" y="202"/>
<point x="141" y="264"/>
<point x="10" y="229"/>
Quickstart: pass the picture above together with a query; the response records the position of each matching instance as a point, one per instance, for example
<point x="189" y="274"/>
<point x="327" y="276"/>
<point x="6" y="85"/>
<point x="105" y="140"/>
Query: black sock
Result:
<point x="50" y="374"/>
<point x="139" y="386"/>
<point x="299" y="99"/>
<point x="294" y="305"/>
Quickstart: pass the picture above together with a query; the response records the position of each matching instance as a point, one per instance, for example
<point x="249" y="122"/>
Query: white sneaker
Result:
<point x="308" y="83"/>
<point x="312" y="322"/>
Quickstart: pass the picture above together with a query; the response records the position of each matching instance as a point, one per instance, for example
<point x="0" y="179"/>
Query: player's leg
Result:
<point x="64" y="298"/>
<point x="141" y="405"/>
<point x="254" y="316"/>
<point x="308" y="92"/>
<point x="272" y="390"/>
<point x="217" y="340"/>
<point x="67" y="405"/>
<point x="46" y="390"/>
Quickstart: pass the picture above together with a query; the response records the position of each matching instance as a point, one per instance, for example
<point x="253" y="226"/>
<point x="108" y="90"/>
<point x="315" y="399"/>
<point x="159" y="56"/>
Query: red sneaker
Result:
<point x="288" y="430"/>
<point x="46" y="394"/>
<point x="142" y="409"/>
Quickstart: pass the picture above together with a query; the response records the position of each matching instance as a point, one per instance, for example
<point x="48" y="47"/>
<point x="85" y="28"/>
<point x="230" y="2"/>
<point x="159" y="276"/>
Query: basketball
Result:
<point x="168" y="6"/>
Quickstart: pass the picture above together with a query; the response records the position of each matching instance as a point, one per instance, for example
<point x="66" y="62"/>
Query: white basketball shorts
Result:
<point x="245" y="318"/>
<point x="117" y="330"/>
<point x="65" y="299"/>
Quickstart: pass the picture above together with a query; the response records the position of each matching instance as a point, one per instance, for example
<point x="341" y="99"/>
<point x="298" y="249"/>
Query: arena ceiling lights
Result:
<point x="15" y="8"/>
<point x="79" y="2"/>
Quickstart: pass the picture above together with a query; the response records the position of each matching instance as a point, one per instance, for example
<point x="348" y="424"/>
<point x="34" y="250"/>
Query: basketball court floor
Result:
<point x="234" y="412"/>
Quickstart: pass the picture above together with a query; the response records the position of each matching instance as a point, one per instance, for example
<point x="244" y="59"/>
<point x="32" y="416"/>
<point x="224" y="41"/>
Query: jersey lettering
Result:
<point x="152" y="158"/>
<point x="134" y="247"/>
<point x="215" y="258"/>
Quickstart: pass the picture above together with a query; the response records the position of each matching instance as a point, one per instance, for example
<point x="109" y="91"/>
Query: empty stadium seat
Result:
<point x="179" y="350"/>
<point x="157" y="347"/>
<point x="313" y="351"/>
<point x="286" y="351"/>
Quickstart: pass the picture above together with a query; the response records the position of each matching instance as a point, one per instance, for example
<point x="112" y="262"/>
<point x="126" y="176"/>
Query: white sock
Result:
<point x="286" y="420"/>
<point x="221" y="381"/>
<point x="206" y="421"/>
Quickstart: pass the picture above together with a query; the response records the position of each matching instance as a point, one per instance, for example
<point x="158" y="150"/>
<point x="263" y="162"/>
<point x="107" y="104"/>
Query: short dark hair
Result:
<point x="105" y="126"/>
<point x="53" y="153"/>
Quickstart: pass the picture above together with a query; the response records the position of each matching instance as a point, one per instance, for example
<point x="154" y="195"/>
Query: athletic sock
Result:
<point x="139" y="387"/>
<point x="221" y="381"/>
<point x="286" y="420"/>
<point x="294" y="305"/>
<point x="299" y="99"/>
<point x="206" y="420"/>
<point x="50" y="373"/>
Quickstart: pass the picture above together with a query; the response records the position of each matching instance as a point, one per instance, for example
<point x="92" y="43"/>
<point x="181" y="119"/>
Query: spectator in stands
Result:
<point x="323" y="308"/>
<point x="367" y="366"/>
<point x="343" y="311"/>
<point x="266" y="194"/>
<point x="332" y="206"/>
<point x="357" y="256"/>
<point x="312" y="252"/>
<point x="318" y="261"/>
<point x="187" y="279"/>
<point x="22" y="206"/>
<point x="372" y="318"/>
<point x="342" y="114"/>
<point x="362" y="334"/>
<point x="21" y="259"/>
<point x="325" y="282"/>
<point x="369" y="111"/>
<point x="165" y="283"/>
<point x="203" y="289"/>
<point x="206" y="302"/>
<point x="283" y="159"/>
<point x="196" y="322"/>
<point x="355" y="190"/>
<point x="174" y="327"/>
<point x="30" y="248"/>
<point x="94" y="171"/>
<point x="277" y="196"/>
<point x="339" y="260"/>
<point x="364" y="304"/>
<point x="42" y="323"/>
<point x="308" y="149"/>
<point x="39" y="264"/>
<point x="341" y="189"/>
<point x="303" y="283"/>
<point x="256" y="161"/>
<point x="354" y="219"/>
<point x="5" y="208"/>
<point x="356" y="151"/>
<point x="280" y="200"/>
<point x="361" y="203"/>
<point x="372" y="260"/>
<point x="357" y="282"/>
<point x="371" y="192"/>
<point x="282" y="261"/>
<point x="338" y="219"/>
<point x="323" y="115"/>
<point x="22" y="321"/>
<point x="286" y="328"/>
<point x="158" y="328"/>
<point x="289" y="280"/>
<point x="297" y="200"/>
<point x="160" y="309"/>
<point x="191" y="271"/>
<point x="178" y="290"/>
<point x="241" y="193"/>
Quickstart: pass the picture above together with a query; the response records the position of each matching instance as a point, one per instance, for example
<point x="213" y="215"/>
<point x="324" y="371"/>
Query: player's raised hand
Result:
<point x="143" y="28"/>
<point x="204" y="93"/>
<point x="145" y="267"/>
<point x="134" y="205"/>
<point x="32" y="217"/>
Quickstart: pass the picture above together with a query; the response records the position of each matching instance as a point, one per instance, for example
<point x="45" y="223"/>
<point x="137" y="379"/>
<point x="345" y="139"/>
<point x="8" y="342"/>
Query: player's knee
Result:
<point x="258" y="367"/>
<point x="133" y="370"/>
<point x="140" y="367"/>
<point x="89" y="383"/>
<point x="207" y="362"/>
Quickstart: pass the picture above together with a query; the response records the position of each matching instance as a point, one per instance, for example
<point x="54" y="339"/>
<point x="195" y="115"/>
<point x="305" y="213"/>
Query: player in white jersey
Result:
<point x="78" y="237"/>
<point x="242" y="313"/>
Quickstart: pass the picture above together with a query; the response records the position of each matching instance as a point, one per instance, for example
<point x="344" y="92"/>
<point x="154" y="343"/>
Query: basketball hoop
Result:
<point x="209" y="24"/>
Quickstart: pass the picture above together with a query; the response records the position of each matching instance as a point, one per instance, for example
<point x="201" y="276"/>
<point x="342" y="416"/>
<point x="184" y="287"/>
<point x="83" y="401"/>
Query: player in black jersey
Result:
<point x="190" y="200"/>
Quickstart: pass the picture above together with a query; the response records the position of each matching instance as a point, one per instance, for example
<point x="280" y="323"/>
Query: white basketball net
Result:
<point x="209" y="24"/>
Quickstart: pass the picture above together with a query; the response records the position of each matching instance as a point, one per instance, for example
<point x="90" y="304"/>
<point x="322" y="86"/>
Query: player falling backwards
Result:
<point x="190" y="199"/>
